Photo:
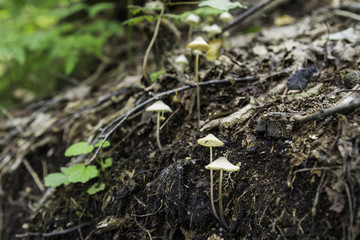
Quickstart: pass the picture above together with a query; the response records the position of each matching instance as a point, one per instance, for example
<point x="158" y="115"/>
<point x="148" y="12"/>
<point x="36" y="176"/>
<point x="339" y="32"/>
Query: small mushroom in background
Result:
<point x="225" y="17"/>
<point x="192" y="20"/>
<point x="158" y="106"/>
<point x="222" y="164"/>
<point x="181" y="63"/>
<point x="200" y="45"/>
<point x="211" y="141"/>
<point x="212" y="30"/>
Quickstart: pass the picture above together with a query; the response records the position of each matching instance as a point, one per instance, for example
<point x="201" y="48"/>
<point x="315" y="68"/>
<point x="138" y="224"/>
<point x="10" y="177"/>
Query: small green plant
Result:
<point x="79" y="172"/>
<point x="155" y="75"/>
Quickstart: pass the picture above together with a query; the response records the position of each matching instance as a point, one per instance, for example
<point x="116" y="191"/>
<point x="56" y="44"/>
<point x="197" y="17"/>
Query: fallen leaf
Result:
<point x="284" y="20"/>
<point x="336" y="199"/>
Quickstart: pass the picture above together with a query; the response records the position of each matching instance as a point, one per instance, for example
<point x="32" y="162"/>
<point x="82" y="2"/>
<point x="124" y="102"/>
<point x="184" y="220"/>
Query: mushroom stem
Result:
<point x="158" y="130"/>
<point x="220" y="200"/>
<point x="197" y="85"/>
<point x="212" y="189"/>
<point x="190" y="32"/>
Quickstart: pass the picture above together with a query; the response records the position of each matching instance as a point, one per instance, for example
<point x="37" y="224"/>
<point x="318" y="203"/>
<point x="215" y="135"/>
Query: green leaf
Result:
<point x="99" y="7"/>
<point x="224" y="5"/>
<point x="64" y="169"/>
<point x="70" y="63"/>
<point x="96" y="187"/>
<point x="69" y="10"/>
<point x="155" y="75"/>
<point x="19" y="54"/>
<point x="80" y="173"/>
<point x="56" y="179"/>
<point x="107" y="163"/>
<point x="253" y="29"/>
<point x="105" y="145"/>
<point x="204" y="12"/>
<point x="78" y="149"/>
<point x="135" y="20"/>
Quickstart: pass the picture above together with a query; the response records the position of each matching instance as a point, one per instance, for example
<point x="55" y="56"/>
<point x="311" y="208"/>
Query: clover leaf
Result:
<point x="105" y="145"/>
<point x="96" y="187"/>
<point x="56" y="179"/>
<point x="78" y="149"/>
<point x="80" y="173"/>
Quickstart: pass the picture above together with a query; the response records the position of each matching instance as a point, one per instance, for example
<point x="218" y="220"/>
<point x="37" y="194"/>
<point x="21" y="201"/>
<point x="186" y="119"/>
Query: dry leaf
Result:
<point x="336" y="199"/>
<point x="213" y="53"/>
<point x="284" y="20"/>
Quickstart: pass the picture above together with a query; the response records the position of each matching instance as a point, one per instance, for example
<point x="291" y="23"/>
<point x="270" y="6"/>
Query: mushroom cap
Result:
<point x="213" y="29"/>
<point x="210" y="141"/>
<point x="192" y="19"/>
<point x="158" y="106"/>
<point x="181" y="59"/>
<point x="199" y="44"/>
<point x="222" y="164"/>
<point x="225" y="17"/>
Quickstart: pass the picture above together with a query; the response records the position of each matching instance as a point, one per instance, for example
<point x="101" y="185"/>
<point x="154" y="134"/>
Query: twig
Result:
<point x="34" y="175"/>
<point x="183" y="3"/>
<point x="318" y="190"/>
<point x="351" y="214"/>
<point x="119" y="120"/>
<point x="1" y="218"/>
<point x="156" y="31"/>
<point x="170" y="117"/>
<point x="347" y="14"/>
<point x="348" y="90"/>
<point x="149" y="214"/>
<point x="143" y="228"/>
<point x="54" y="233"/>
<point x="328" y="111"/>
<point x="11" y="119"/>
<point x="246" y="14"/>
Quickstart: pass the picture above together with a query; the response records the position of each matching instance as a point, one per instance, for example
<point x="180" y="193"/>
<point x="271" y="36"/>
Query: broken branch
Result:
<point x="119" y="120"/>
<point x="328" y="111"/>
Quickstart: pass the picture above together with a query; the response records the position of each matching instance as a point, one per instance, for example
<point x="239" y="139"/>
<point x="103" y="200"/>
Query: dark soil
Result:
<point x="296" y="180"/>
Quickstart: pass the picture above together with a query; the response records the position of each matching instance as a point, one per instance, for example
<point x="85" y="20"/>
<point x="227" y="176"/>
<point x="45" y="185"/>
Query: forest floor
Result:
<point x="298" y="179"/>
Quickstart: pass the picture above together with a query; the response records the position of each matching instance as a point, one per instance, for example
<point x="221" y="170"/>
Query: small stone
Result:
<point x="300" y="79"/>
<point x="351" y="79"/>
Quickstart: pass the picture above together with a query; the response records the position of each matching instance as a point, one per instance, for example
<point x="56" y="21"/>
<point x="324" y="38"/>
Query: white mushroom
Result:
<point x="212" y="30"/>
<point x="211" y="141"/>
<point x="198" y="44"/>
<point x="226" y="17"/>
<point x="222" y="164"/>
<point x="158" y="106"/>
<point x="192" y="20"/>
<point x="181" y="62"/>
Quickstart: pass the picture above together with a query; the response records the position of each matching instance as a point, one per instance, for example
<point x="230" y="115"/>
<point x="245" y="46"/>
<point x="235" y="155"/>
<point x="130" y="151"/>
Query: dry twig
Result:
<point x="121" y="119"/>
<point x="156" y="31"/>
<point x="328" y="111"/>
<point x="54" y="233"/>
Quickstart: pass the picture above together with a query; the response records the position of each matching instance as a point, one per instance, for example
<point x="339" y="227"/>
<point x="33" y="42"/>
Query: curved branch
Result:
<point x="119" y="120"/>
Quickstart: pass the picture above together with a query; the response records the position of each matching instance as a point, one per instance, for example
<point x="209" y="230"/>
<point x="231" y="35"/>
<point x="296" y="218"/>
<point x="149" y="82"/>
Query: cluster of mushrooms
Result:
<point x="222" y="164"/>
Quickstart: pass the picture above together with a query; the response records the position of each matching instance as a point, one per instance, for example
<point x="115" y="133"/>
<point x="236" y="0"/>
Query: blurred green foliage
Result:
<point x="40" y="39"/>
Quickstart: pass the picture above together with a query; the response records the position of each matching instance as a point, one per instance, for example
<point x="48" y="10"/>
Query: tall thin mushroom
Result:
<point x="198" y="44"/>
<point x="222" y="164"/>
<point x="211" y="141"/>
<point x="158" y="106"/>
<point x="192" y="20"/>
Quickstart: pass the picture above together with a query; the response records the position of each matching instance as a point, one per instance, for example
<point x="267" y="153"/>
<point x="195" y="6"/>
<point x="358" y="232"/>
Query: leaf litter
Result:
<point x="297" y="180"/>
